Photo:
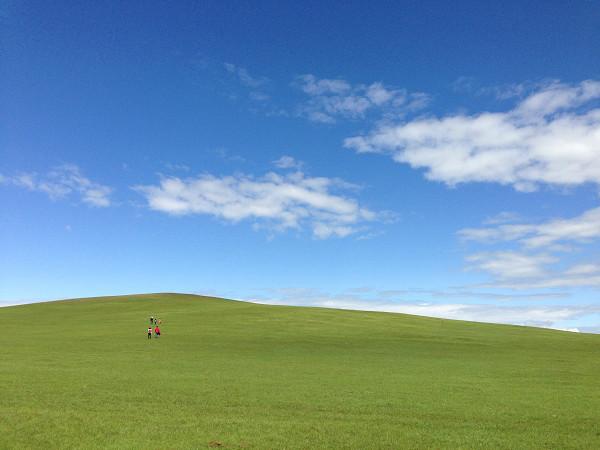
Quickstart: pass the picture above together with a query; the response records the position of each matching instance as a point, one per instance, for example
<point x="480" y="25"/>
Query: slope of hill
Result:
<point x="229" y="374"/>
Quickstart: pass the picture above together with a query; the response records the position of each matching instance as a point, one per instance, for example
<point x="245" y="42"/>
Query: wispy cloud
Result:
<point x="332" y="99"/>
<point x="531" y="257"/>
<point x="244" y="76"/>
<point x="254" y="85"/>
<point x="579" y="229"/>
<point x="63" y="181"/>
<point x="278" y="202"/>
<point x="288" y="162"/>
<point x="470" y="85"/>
<point x="510" y="265"/>
<point x="502" y="217"/>
<point x="557" y="280"/>
<point x="228" y="156"/>
<point x="313" y="86"/>
<point x="259" y="96"/>
<point x="177" y="167"/>
<point x="550" y="137"/>
<point x="536" y="315"/>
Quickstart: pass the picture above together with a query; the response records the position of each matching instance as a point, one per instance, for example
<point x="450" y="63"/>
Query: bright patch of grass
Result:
<point x="82" y="374"/>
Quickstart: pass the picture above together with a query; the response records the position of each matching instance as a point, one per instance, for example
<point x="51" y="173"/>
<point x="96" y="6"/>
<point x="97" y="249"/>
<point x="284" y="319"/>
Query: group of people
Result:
<point x="156" y="322"/>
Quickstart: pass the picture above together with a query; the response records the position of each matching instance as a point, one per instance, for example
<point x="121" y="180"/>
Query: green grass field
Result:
<point x="82" y="374"/>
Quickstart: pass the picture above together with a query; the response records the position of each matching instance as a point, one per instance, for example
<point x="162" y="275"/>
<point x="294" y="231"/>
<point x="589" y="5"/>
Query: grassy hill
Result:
<point x="81" y="373"/>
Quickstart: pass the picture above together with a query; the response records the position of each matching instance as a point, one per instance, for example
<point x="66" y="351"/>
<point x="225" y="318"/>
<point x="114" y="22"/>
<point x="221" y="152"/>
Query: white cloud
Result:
<point x="281" y="202"/>
<point x="330" y="99"/>
<point x="547" y="138"/>
<point x="61" y="182"/>
<point x="288" y="162"/>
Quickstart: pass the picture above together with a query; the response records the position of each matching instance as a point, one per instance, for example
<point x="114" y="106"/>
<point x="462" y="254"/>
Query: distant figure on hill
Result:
<point x="157" y="332"/>
<point x="149" y="332"/>
<point x="154" y="321"/>
<point x="151" y="320"/>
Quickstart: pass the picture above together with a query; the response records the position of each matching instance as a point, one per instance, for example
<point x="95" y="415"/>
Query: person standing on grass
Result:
<point x="157" y="332"/>
<point x="149" y="332"/>
<point x="151" y="319"/>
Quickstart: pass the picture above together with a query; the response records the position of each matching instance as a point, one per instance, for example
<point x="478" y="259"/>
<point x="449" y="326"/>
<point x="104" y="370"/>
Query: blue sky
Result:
<point x="416" y="157"/>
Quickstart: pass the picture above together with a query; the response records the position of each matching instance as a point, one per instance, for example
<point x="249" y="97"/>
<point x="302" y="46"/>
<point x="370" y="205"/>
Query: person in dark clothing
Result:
<point x="149" y="332"/>
<point x="151" y="320"/>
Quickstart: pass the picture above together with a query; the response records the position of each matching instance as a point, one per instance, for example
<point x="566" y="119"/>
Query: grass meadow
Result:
<point x="227" y="374"/>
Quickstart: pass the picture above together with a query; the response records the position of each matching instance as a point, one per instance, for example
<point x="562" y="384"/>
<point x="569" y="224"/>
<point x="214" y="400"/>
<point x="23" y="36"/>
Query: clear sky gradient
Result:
<point x="423" y="157"/>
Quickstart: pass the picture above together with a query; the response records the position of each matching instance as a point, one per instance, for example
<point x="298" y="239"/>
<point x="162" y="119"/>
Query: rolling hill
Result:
<point x="82" y="374"/>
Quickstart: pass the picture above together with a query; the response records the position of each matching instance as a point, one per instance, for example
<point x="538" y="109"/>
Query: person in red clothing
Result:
<point x="156" y="331"/>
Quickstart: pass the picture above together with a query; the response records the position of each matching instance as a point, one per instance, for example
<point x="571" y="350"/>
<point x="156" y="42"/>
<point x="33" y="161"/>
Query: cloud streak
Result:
<point x="535" y="263"/>
<point x="244" y="77"/>
<point x="537" y="315"/>
<point x="511" y="265"/>
<point x="580" y="229"/>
